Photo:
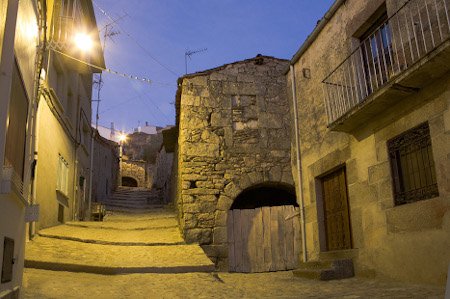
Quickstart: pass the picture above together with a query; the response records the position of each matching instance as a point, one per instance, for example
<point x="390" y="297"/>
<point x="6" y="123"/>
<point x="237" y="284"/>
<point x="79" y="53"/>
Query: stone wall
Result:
<point x="163" y="175"/>
<point x="233" y="134"/>
<point x="407" y="242"/>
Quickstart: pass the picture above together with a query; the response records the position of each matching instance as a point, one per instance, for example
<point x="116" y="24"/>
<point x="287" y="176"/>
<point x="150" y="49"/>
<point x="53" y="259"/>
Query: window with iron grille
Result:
<point x="412" y="165"/>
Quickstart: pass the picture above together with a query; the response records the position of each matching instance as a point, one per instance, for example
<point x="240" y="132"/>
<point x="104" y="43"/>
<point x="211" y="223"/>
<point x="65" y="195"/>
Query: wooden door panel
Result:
<point x="336" y="210"/>
<point x="263" y="240"/>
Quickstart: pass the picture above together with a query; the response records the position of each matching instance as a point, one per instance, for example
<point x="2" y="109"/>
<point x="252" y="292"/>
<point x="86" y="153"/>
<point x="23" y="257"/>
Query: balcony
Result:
<point x="11" y="181"/>
<point x="405" y="53"/>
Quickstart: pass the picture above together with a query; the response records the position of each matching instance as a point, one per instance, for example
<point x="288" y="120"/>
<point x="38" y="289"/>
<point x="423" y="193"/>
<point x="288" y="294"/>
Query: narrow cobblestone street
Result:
<point x="142" y="255"/>
<point x="49" y="284"/>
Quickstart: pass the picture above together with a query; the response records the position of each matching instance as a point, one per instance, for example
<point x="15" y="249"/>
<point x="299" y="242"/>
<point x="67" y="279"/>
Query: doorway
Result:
<point x="336" y="211"/>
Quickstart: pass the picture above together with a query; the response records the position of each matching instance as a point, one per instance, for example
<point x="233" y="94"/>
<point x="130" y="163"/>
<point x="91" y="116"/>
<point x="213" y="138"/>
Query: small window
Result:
<point x="412" y="165"/>
<point x="62" y="183"/>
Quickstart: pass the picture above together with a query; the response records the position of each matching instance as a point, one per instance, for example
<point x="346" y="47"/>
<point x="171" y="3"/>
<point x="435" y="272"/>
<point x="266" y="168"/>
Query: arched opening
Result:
<point x="129" y="182"/>
<point x="263" y="229"/>
<point x="265" y="195"/>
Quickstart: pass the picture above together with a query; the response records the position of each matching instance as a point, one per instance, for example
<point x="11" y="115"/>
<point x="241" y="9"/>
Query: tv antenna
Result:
<point x="189" y="53"/>
<point x="109" y="32"/>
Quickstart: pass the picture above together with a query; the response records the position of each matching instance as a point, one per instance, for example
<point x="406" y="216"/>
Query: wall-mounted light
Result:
<point x="83" y="41"/>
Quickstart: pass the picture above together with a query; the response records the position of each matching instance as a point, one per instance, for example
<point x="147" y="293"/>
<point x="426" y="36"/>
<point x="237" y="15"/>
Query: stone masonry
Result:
<point x="234" y="129"/>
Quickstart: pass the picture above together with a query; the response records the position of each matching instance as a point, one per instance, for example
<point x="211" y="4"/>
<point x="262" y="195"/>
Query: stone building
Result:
<point x="164" y="164"/>
<point x="234" y="139"/>
<point x="134" y="173"/>
<point x="106" y="168"/>
<point x="374" y="129"/>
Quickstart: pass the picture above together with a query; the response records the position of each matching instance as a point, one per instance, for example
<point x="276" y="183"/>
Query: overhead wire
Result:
<point x="136" y="42"/>
<point x="108" y="70"/>
<point x="155" y="105"/>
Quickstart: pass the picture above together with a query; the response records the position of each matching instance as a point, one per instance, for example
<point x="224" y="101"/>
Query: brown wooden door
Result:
<point x="336" y="210"/>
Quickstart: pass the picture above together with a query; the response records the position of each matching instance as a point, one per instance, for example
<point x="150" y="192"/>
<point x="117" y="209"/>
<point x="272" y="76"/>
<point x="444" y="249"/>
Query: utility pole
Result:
<point x="189" y="53"/>
<point x="109" y="33"/>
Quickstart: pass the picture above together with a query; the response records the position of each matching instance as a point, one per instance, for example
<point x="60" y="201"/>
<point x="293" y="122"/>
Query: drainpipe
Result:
<point x="299" y="166"/>
<point x="41" y="76"/>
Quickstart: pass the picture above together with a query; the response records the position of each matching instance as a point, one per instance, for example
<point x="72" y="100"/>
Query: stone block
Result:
<point x="190" y="220"/>
<point x="187" y="199"/>
<point x="271" y="120"/>
<point x="194" y="177"/>
<point x="205" y="220"/>
<point x="220" y="235"/>
<point x="208" y="198"/>
<point x="379" y="172"/>
<point x="209" y="137"/>
<point x="224" y="203"/>
<point x="255" y="177"/>
<point x="275" y="174"/>
<point x="191" y="208"/>
<point x="198" y="235"/>
<point x="218" y="120"/>
<point x="232" y="190"/>
<point x="221" y="218"/>
<point x="201" y="149"/>
<point x="200" y="191"/>
<point x="416" y="216"/>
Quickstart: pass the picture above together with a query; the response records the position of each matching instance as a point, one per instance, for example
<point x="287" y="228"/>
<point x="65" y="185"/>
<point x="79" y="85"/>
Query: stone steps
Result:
<point x="66" y="255"/>
<point x="144" y="237"/>
<point x="136" y="242"/>
<point x="325" y="270"/>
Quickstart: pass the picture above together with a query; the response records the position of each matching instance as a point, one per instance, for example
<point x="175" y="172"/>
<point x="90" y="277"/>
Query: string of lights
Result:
<point x="108" y="70"/>
<point x="136" y="41"/>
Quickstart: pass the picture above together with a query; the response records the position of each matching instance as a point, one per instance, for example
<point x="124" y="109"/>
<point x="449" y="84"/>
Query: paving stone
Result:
<point x="49" y="284"/>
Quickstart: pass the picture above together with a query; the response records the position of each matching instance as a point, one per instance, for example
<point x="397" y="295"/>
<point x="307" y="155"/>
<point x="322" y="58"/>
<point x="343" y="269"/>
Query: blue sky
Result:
<point x="155" y="34"/>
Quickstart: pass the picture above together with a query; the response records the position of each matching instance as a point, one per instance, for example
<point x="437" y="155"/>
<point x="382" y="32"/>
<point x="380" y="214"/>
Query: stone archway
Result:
<point x="265" y="195"/>
<point x="129" y="182"/>
<point x="263" y="232"/>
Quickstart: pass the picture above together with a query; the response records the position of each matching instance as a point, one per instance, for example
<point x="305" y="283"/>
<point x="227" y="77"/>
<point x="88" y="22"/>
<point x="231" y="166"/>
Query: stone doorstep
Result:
<point x="105" y="270"/>
<point x="325" y="270"/>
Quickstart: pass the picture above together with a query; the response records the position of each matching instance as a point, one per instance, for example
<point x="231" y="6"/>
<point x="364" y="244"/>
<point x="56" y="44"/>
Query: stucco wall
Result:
<point x="233" y="134"/>
<point x="408" y="242"/>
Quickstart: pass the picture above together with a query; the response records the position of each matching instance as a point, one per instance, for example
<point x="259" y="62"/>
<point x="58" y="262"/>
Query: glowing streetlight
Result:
<point x="83" y="41"/>
<point x="122" y="137"/>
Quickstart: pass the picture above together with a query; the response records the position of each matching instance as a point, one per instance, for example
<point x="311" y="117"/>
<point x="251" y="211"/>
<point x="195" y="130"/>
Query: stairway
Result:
<point x="134" y="242"/>
<point x="325" y="270"/>
<point x="131" y="199"/>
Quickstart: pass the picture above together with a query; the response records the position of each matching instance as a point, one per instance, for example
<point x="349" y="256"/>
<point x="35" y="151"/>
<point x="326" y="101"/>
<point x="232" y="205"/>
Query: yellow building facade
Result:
<point x="372" y="88"/>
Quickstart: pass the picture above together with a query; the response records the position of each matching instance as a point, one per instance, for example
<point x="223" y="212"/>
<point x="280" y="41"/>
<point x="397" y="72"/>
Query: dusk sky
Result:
<point x="154" y="35"/>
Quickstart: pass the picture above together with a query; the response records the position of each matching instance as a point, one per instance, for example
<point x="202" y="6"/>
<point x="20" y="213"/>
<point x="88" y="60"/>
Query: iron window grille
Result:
<point x="412" y="165"/>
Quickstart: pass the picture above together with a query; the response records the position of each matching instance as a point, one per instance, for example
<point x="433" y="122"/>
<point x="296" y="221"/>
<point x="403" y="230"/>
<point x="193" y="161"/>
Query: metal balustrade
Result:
<point x="10" y="174"/>
<point x="415" y="30"/>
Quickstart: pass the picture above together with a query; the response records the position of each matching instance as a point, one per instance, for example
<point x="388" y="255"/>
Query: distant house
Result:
<point x="106" y="168"/>
<point x="233" y="156"/>
<point x="372" y="86"/>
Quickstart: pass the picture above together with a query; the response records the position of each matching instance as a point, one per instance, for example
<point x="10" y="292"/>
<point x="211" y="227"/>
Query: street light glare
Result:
<point x="122" y="137"/>
<point x="83" y="41"/>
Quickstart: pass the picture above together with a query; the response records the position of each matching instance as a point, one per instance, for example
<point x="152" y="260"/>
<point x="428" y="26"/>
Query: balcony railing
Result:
<point x="411" y="33"/>
<point x="14" y="180"/>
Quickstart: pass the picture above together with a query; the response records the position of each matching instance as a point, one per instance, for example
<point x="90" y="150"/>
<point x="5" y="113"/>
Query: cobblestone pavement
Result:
<point x="49" y="284"/>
